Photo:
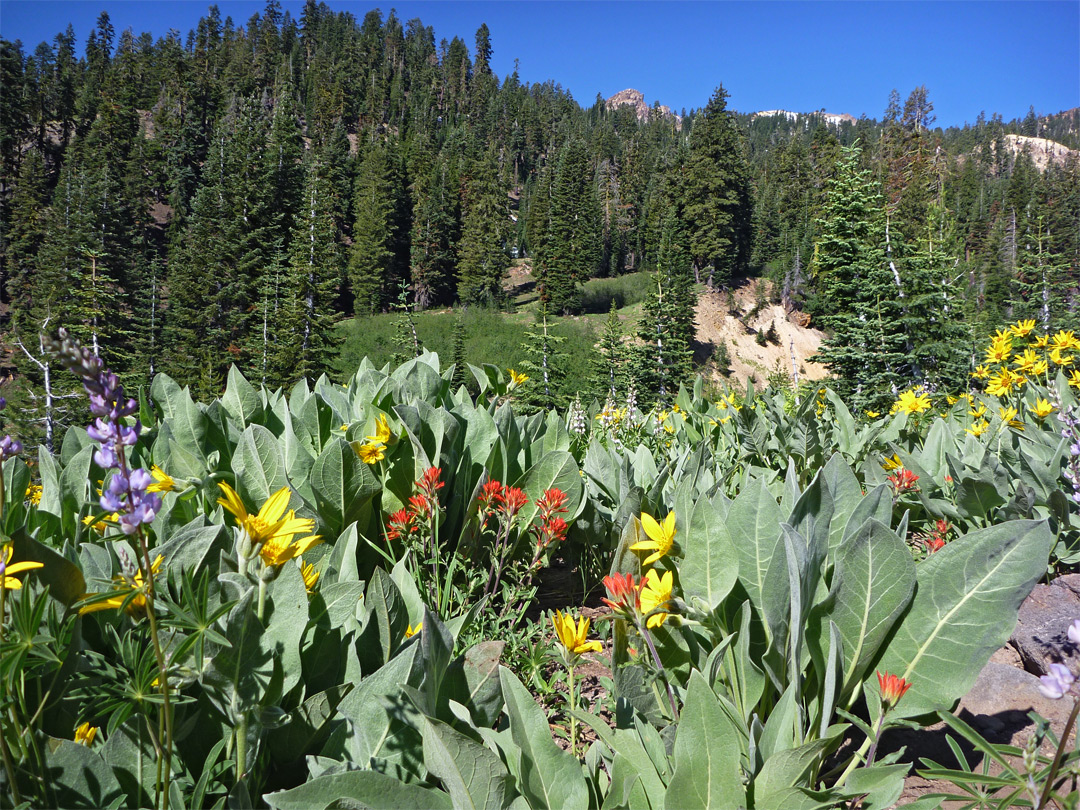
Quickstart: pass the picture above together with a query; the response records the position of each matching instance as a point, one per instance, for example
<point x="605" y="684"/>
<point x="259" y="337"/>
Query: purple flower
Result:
<point x="1074" y="632"/>
<point x="9" y="447"/>
<point x="1056" y="682"/>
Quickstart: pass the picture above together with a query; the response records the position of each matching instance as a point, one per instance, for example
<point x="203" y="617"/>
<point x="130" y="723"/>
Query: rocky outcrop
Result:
<point x="1043" y="151"/>
<point x="635" y="98"/>
<point x="833" y="119"/>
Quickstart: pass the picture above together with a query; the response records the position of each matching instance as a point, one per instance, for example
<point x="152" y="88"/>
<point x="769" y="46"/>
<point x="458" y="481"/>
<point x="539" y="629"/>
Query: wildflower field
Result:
<point x="321" y="598"/>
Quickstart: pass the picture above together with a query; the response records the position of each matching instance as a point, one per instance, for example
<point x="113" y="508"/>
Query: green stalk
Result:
<point x="8" y="764"/>
<point x="1056" y="765"/>
<point x="572" y="707"/>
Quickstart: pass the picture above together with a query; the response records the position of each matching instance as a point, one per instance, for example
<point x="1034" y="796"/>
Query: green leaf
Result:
<point x="549" y="776"/>
<point x="65" y="580"/>
<point x="473" y="681"/>
<point x="80" y="777"/>
<point x="965" y="607"/>
<point x="361" y="790"/>
<point x="308" y="722"/>
<point x="472" y="775"/>
<point x="789" y="767"/>
<point x="337" y="601"/>
<point x="556" y="470"/>
<point x="241" y="400"/>
<point x="259" y="466"/>
<point x="286" y="619"/>
<point x="707" y="754"/>
<point x="873" y="582"/>
<point x="754" y="523"/>
<point x="710" y="566"/>
<point x="342" y="484"/>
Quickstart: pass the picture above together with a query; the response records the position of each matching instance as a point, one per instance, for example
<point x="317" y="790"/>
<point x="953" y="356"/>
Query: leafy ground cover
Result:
<point x="326" y="596"/>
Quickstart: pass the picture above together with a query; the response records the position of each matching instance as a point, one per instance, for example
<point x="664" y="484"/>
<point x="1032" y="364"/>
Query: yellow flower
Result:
<point x="873" y="414"/>
<point x="515" y="378"/>
<point x="162" y="482"/>
<point x="84" y="734"/>
<point x="1059" y="359"/>
<point x="1042" y="341"/>
<point x="382" y="431"/>
<point x="979" y="411"/>
<point x="1039" y="368"/>
<point x="573" y="637"/>
<point x="278" y="549"/>
<point x="310" y="575"/>
<point x="656" y="593"/>
<point x="6" y="579"/>
<point x="1074" y="379"/>
<point x="950" y="399"/>
<point x="661" y="537"/>
<point x="1042" y="409"/>
<point x="411" y="631"/>
<point x="33" y="494"/>
<point x="1026" y="361"/>
<point x="1001" y="383"/>
<point x="273" y="527"/>
<point x="371" y="453"/>
<point x="1008" y="417"/>
<point x="910" y="402"/>
<point x="1000" y="348"/>
<point x="978" y="428"/>
<point x="893" y="462"/>
<point x="137" y="605"/>
<point x="668" y="427"/>
<point x="981" y="372"/>
<point x="101" y="524"/>
<point x="1022" y="328"/>
<point x="1066" y="340"/>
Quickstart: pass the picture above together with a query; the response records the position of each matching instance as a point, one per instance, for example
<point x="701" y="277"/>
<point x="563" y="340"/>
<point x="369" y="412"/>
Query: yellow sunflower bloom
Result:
<point x="1022" y="328"/>
<point x="892" y="462"/>
<point x="162" y="482"/>
<point x="310" y="575"/>
<point x="516" y="379"/>
<point x="85" y="734"/>
<point x="978" y="428"/>
<point x="1059" y="359"/>
<point x="981" y="372"/>
<point x="872" y="414"/>
<point x="279" y="549"/>
<point x="1000" y="348"/>
<point x="1042" y="409"/>
<point x="656" y="593"/>
<point x="7" y="581"/>
<point x="911" y="402"/>
<point x="382" y="431"/>
<point x="1042" y="341"/>
<point x="661" y="537"/>
<point x="1026" y="360"/>
<point x="272" y="524"/>
<point x="371" y="453"/>
<point x="1074" y="379"/>
<point x="137" y="606"/>
<point x="101" y="524"/>
<point x="979" y="411"/>
<point x="1039" y="368"/>
<point x="33" y="494"/>
<point x="574" y="637"/>
<point x="1001" y="383"/>
<point x="1008" y="417"/>
<point x="1066" y="340"/>
<point x="411" y="631"/>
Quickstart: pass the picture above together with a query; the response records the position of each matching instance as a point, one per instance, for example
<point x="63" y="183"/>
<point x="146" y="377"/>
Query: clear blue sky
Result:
<point x="841" y="56"/>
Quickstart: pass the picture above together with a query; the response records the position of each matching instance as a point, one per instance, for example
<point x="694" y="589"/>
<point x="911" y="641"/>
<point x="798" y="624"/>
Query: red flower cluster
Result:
<point x="935" y="539"/>
<point x="903" y="481"/>
<point x="625" y="594"/>
<point x="551" y="527"/>
<point x="506" y="501"/>
<point x="420" y="507"/>
<point x="893" y="687"/>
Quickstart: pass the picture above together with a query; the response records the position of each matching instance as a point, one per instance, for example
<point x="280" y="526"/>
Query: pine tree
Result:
<point x="436" y="231"/>
<point x="610" y="372"/>
<point x="482" y="257"/>
<point x="717" y="195"/>
<point x="378" y="257"/>
<point x="544" y="364"/>
<point x="573" y="247"/>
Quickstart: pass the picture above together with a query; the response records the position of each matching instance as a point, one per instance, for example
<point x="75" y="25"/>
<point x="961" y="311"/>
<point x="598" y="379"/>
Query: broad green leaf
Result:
<point x="711" y="564"/>
<point x="286" y="618"/>
<point x="342" y="484"/>
<point x="474" y="777"/>
<point x="360" y="790"/>
<point x="627" y="742"/>
<point x="789" y="767"/>
<point x="65" y="580"/>
<point x="241" y="400"/>
<point x="556" y="470"/>
<point x="308" y="722"/>
<point x="873" y="584"/>
<point x="965" y="607"/>
<point x="81" y="778"/>
<point x="549" y="776"/>
<point x="259" y="466"/>
<point x="846" y="495"/>
<point x="473" y="681"/>
<point x="707" y="754"/>
<point x="754" y="523"/>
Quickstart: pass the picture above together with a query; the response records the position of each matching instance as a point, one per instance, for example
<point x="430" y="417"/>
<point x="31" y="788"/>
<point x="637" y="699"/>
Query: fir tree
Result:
<point x="610" y="372"/>
<point x="573" y="248"/>
<point x="545" y="365"/>
<point x="378" y="257"/>
<point x="482" y="258"/>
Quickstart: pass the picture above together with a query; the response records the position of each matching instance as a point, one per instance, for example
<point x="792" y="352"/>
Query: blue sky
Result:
<point x="844" y="57"/>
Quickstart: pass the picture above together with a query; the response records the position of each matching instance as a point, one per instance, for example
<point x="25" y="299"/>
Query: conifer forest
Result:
<point x="242" y="567"/>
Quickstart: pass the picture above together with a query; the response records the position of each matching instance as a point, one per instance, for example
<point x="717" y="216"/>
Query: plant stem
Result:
<point x="572" y="707"/>
<point x="644" y="630"/>
<point x="8" y="765"/>
<point x="262" y="598"/>
<point x="1056" y="765"/>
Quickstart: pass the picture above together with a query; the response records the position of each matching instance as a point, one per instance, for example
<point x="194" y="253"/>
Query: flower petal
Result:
<point x="232" y="502"/>
<point x="275" y="506"/>
<point x="651" y="527"/>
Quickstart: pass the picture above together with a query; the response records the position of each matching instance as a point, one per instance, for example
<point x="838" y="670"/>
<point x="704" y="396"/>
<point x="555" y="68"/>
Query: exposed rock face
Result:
<point x="635" y="98"/>
<point x="1042" y="150"/>
<point x="834" y="119"/>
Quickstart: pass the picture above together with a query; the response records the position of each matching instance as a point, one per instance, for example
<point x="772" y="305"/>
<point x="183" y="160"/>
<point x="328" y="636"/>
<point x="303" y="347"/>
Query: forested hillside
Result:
<point x="229" y="195"/>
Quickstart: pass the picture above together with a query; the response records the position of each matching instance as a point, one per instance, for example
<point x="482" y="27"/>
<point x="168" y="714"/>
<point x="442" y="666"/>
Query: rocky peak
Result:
<point x="635" y="98"/>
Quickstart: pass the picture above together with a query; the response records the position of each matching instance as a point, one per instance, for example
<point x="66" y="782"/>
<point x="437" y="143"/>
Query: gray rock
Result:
<point x="1040" y="635"/>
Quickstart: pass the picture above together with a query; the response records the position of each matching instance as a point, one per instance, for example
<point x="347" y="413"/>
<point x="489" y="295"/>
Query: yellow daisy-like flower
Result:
<point x="382" y="431"/>
<point x="411" y="631"/>
<point x="1074" y="379"/>
<point x="1059" y="359"/>
<point x="1042" y="341"/>
<point x="1000" y="348"/>
<point x="655" y="593"/>
<point x="162" y="482"/>
<point x="978" y="428"/>
<point x="1042" y="409"/>
<point x="950" y="399"/>
<point x="574" y="637"/>
<point x="979" y="411"/>
<point x="981" y="372"/>
<point x="661" y="537"/>
<point x="1001" y="383"/>
<point x="33" y="494"/>
<point x="310" y="575"/>
<point x="279" y="549"/>
<point x="911" y="402"/>
<point x="1039" y="368"/>
<point x="892" y="462"/>
<point x="7" y="581"/>
<point x="1066" y="340"/>
<point x="371" y="453"/>
<point x="1008" y="417"/>
<point x="137" y="606"/>
<point x="516" y="379"/>
<point x="272" y="524"/>
<point x="872" y="414"/>
<point x="1022" y="328"/>
<point x="1026" y="360"/>
<point x="85" y="734"/>
<point x="99" y="525"/>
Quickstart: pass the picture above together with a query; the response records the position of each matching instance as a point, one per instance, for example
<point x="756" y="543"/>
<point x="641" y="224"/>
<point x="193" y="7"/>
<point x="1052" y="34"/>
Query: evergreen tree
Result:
<point x="717" y="194"/>
<point x="610" y="372"/>
<point x="572" y="250"/>
<point x="379" y="254"/>
<point x="482" y="258"/>
<point x="545" y="365"/>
